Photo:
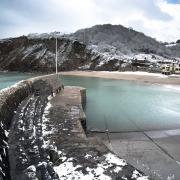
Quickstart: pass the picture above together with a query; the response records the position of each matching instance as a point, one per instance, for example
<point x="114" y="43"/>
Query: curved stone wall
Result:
<point x="10" y="98"/>
<point x="46" y="135"/>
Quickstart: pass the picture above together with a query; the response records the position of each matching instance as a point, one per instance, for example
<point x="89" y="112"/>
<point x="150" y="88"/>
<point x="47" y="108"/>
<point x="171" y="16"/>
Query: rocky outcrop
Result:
<point x="27" y="54"/>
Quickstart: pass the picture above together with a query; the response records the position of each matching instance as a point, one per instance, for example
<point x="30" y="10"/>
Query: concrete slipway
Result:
<point x="157" y="153"/>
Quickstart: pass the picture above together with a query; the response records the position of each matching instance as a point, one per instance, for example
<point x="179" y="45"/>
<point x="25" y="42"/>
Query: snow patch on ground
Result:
<point x="32" y="168"/>
<point x="6" y="133"/>
<point x="136" y="175"/>
<point x="67" y="170"/>
<point x="87" y="156"/>
<point x="112" y="159"/>
<point x="45" y="120"/>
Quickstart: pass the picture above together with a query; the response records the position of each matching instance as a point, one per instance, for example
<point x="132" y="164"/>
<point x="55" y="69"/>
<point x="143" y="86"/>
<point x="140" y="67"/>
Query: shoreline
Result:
<point x="145" y="77"/>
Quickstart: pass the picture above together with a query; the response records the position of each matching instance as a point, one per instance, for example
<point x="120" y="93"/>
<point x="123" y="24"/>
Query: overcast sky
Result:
<point x="157" y="18"/>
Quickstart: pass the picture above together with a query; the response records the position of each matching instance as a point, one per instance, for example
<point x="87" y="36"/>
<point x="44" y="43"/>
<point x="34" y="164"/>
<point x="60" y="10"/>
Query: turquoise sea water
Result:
<point x="8" y="79"/>
<point x="121" y="105"/>
<point x="128" y="106"/>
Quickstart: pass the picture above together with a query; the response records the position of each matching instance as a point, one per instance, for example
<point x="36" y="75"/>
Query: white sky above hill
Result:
<point x="156" y="18"/>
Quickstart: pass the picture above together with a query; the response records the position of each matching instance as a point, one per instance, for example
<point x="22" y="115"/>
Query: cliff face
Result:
<point x="38" y="54"/>
<point x="26" y="54"/>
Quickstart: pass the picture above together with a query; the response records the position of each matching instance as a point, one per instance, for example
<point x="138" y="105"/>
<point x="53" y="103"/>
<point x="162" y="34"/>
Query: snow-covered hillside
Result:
<point x="102" y="47"/>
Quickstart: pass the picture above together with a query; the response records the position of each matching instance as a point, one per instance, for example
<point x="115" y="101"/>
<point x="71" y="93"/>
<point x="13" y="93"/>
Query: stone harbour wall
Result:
<point x="43" y="136"/>
<point x="10" y="98"/>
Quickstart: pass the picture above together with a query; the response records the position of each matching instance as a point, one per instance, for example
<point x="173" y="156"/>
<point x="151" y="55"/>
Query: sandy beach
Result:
<point x="133" y="76"/>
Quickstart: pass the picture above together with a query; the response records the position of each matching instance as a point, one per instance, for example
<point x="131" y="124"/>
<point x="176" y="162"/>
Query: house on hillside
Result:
<point x="173" y="68"/>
